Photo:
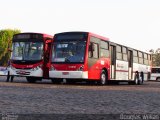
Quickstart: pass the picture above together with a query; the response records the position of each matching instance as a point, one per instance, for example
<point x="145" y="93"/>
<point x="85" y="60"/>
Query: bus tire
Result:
<point x="103" y="78"/>
<point x="141" y="79"/>
<point x="158" y="79"/>
<point x="136" y="79"/>
<point x="31" y="79"/>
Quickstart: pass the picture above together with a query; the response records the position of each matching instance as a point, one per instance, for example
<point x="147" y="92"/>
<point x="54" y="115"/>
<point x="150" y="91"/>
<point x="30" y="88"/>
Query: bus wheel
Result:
<point x="140" y="81"/>
<point x="141" y="78"/>
<point x="103" y="78"/>
<point x="31" y="79"/>
<point x="136" y="81"/>
<point x="158" y="79"/>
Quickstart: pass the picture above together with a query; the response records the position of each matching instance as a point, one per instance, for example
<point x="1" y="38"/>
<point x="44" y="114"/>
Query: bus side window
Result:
<point x="93" y="50"/>
<point x="119" y="52"/>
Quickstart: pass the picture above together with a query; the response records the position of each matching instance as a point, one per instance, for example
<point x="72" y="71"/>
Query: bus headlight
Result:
<point x="80" y="68"/>
<point x="52" y="68"/>
<point x="36" y="68"/>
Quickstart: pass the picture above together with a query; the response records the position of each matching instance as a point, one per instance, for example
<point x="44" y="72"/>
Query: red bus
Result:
<point x="30" y="55"/>
<point x="87" y="56"/>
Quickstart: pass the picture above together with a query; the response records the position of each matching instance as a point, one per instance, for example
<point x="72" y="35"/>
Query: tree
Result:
<point x="5" y="43"/>
<point x="155" y="57"/>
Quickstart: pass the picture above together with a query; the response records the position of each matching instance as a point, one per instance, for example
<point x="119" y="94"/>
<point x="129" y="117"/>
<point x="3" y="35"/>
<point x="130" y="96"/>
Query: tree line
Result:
<point x="5" y="43"/>
<point x="155" y="57"/>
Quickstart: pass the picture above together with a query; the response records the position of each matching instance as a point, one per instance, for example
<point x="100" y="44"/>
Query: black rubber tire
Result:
<point x="103" y="78"/>
<point x="136" y="80"/>
<point x="141" y="78"/>
<point x="158" y="79"/>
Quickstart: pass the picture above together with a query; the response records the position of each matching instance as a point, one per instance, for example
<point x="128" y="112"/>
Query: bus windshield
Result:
<point x="155" y="70"/>
<point x="69" y="51"/>
<point x="27" y="50"/>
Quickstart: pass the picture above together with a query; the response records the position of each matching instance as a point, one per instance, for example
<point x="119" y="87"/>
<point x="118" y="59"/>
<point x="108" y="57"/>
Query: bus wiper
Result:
<point x="67" y="60"/>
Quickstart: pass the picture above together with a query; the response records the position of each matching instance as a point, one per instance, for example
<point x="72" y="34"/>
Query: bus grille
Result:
<point x="22" y="73"/>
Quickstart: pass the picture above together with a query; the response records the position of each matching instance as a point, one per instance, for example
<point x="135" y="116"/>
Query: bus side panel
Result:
<point x="94" y="74"/>
<point x="140" y="68"/>
<point x="154" y="76"/>
<point x="121" y="70"/>
<point x="95" y="68"/>
<point x="155" y="73"/>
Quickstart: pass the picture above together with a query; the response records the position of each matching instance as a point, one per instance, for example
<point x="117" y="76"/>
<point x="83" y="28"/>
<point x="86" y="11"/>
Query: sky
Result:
<point x="133" y="23"/>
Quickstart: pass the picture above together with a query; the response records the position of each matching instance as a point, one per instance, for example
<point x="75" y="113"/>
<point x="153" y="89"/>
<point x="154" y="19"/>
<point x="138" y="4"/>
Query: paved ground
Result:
<point x="44" y="97"/>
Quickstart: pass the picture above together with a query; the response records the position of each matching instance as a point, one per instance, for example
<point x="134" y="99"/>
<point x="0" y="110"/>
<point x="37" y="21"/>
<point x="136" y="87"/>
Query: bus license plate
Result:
<point x="65" y="73"/>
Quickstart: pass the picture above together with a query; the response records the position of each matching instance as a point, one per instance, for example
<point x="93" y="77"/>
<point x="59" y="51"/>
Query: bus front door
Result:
<point x="46" y="60"/>
<point x="113" y="62"/>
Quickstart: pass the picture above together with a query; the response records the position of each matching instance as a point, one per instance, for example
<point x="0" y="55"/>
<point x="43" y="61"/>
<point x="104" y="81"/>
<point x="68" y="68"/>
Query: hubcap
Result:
<point x="103" y="78"/>
<point x="136" y="80"/>
<point x="140" y="80"/>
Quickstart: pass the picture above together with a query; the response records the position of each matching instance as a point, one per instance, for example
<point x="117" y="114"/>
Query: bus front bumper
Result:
<point x="69" y="74"/>
<point x="25" y="73"/>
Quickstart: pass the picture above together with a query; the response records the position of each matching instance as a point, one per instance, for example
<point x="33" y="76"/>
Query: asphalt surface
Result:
<point x="78" y="101"/>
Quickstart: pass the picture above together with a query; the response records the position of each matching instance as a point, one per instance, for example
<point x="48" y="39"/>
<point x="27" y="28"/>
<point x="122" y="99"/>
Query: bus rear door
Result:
<point x="130" y="64"/>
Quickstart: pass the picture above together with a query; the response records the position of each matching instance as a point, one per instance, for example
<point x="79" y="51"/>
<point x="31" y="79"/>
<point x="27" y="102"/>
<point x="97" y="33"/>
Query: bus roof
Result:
<point x="44" y="35"/>
<point x="83" y="32"/>
<point x="98" y="36"/>
<point x="130" y="48"/>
